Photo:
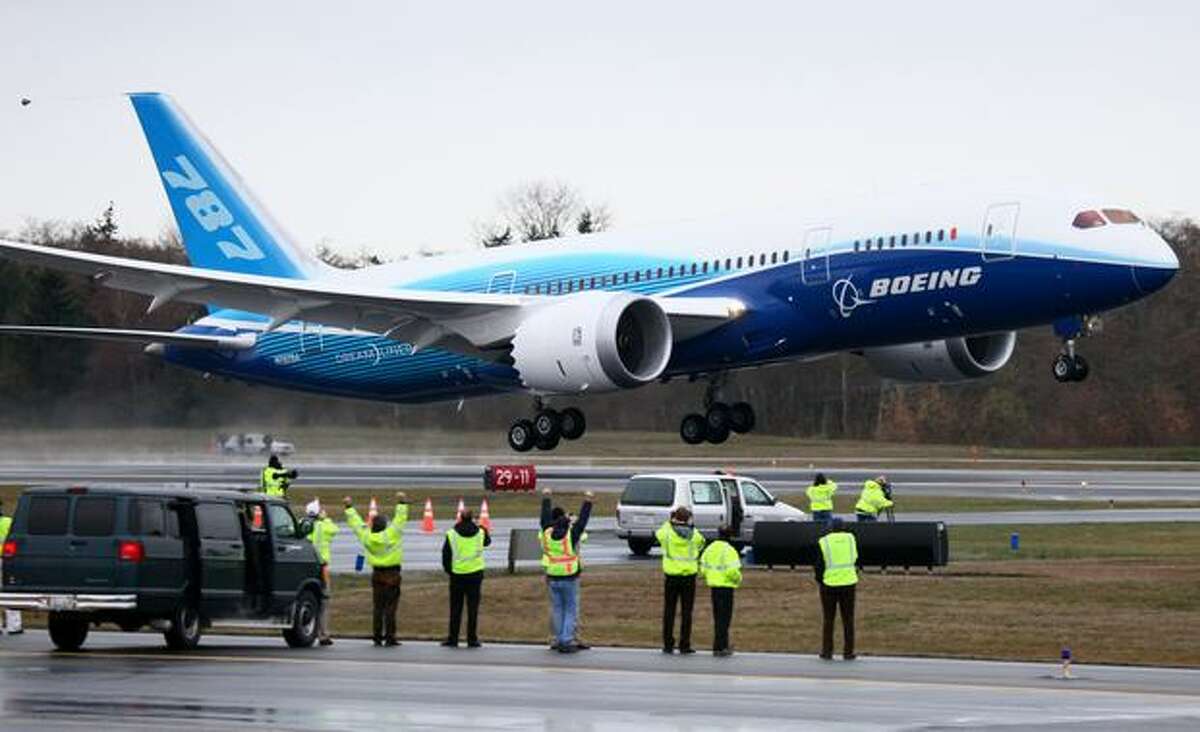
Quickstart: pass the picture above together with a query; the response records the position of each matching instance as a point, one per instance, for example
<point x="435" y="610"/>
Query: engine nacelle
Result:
<point x="592" y="341"/>
<point x="945" y="361"/>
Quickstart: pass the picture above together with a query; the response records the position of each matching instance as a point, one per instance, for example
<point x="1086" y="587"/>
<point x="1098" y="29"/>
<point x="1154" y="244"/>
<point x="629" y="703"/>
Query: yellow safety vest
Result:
<point x="273" y="482"/>
<point x="820" y="497"/>
<point x="321" y="537"/>
<point x="383" y="548"/>
<point x="721" y="564"/>
<point x="5" y="526"/>
<point x="872" y="500"/>
<point x="840" y="552"/>
<point x="681" y="557"/>
<point x="558" y="556"/>
<point x="466" y="552"/>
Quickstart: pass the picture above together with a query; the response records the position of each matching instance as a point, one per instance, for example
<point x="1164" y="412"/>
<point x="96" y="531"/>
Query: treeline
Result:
<point x="1142" y="390"/>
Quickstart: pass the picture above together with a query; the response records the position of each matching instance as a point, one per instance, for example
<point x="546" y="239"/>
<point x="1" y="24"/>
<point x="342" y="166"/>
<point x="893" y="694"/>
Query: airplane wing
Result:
<point x="461" y="321"/>
<point x="240" y="342"/>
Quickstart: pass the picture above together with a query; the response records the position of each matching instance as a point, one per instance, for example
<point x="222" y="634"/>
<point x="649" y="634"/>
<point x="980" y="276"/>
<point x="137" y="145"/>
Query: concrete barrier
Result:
<point x="901" y="544"/>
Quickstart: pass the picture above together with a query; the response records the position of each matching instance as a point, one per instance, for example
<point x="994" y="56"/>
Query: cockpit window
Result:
<point x="1087" y="220"/>
<point x="1121" y="216"/>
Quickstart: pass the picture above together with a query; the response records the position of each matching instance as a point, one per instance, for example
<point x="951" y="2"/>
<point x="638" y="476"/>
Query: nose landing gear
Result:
<point x="1069" y="365"/>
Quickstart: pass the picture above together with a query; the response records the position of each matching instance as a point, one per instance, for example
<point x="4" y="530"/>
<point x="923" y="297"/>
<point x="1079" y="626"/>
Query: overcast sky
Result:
<point x="396" y="125"/>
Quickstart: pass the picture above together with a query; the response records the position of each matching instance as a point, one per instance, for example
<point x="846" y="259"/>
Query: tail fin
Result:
<point x="222" y="224"/>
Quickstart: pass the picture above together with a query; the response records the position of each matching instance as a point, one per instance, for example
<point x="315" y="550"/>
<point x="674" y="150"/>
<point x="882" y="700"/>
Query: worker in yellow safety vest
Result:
<point x="837" y="576"/>
<point x="462" y="559"/>
<point x="721" y="565"/>
<point x="820" y="498"/>
<point x="274" y="480"/>
<point x="873" y="499"/>
<point x="681" y="545"/>
<point x="321" y="536"/>
<point x="383" y="544"/>
<point x="12" y="618"/>
<point x="561" y="540"/>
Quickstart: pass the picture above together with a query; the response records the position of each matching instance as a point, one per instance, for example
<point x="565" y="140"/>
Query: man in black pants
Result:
<point x="837" y="577"/>
<point x="681" y="546"/>
<point x="462" y="559"/>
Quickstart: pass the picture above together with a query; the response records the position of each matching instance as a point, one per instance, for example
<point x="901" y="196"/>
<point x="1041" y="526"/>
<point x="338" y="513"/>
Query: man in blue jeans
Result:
<point x="560" y="558"/>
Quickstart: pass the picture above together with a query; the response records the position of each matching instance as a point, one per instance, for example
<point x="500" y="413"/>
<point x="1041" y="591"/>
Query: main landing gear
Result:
<point x="547" y="428"/>
<point x="1069" y="365"/>
<point x="718" y="421"/>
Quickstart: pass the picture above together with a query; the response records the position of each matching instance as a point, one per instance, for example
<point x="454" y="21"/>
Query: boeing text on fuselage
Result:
<point x="614" y="311"/>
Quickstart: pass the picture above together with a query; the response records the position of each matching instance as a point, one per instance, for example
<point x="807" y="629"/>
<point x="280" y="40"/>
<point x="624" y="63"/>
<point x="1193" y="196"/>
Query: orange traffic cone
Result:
<point x="372" y="511"/>
<point x="458" y="514"/>
<point x="485" y="518"/>
<point x="427" y="519"/>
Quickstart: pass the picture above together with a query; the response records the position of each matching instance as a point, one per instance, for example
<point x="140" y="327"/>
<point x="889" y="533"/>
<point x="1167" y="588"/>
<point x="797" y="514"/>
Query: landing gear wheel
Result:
<point x="68" y="631"/>
<point x="741" y="418"/>
<point x="544" y="443"/>
<point x="717" y="435"/>
<point x="572" y="423"/>
<point x="1062" y="368"/>
<point x="303" y="632"/>
<point x="547" y="426"/>
<point x="184" y="634"/>
<point x="520" y="436"/>
<point x="1081" y="369"/>
<point x="718" y="417"/>
<point x="693" y="429"/>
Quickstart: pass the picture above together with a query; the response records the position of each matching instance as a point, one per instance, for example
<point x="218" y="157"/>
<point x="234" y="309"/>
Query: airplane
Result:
<point x="924" y="291"/>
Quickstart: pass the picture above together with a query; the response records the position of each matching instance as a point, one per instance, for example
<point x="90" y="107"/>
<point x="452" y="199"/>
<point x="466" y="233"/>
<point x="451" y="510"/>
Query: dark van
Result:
<point x="179" y="561"/>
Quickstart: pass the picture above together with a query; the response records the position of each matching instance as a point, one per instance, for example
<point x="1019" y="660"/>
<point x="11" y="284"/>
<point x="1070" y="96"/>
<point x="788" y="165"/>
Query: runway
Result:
<point x="1100" y="483"/>
<point x="130" y="682"/>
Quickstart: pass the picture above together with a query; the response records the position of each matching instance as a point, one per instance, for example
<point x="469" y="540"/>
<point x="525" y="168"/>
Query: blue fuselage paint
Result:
<point x="844" y="301"/>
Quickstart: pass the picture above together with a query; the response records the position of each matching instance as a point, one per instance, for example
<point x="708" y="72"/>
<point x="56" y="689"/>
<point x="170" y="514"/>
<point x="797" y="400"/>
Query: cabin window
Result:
<point x="928" y="237"/>
<point x="786" y="254"/>
<point x="953" y="233"/>
<point x="774" y="257"/>
<point x="941" y="234"/>
<point x="739" y="264"/>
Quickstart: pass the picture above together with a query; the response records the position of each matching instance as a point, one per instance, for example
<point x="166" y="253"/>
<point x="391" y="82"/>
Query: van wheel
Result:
<point x="303" y="632"/>
<point x="68" y="631"/>
<point x="640" y="547"/>
<point x="184" y="634"/>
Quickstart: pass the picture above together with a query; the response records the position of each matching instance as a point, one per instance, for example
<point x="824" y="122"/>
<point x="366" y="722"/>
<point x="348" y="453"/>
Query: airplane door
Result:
<point x="815" y="269"/>
<point x="1000" y="231"/>
<point x="502" y="283"/>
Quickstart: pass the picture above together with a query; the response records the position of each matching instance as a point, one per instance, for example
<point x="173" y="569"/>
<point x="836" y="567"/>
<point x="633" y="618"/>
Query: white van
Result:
<point x="713" y="499"/>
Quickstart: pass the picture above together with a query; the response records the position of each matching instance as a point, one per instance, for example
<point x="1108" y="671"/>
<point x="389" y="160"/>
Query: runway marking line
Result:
<point x="584" y="670"/>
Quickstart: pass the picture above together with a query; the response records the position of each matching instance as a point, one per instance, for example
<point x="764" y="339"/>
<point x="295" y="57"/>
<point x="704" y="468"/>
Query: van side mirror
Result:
<point x="304" y="527"/>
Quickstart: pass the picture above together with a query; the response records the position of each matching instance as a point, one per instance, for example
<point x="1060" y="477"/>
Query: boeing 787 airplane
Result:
<point x="931" y="292"/>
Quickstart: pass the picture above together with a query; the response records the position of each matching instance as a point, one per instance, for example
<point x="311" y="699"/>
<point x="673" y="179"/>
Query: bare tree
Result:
<point x="542" y="209"/>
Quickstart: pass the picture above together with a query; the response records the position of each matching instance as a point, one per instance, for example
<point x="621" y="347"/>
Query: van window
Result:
<point x="283" y="524"/>
<point x="754" y="495"/>
<point x="94" y="516"/>
<point x="649" y="492"/>
<point x="48" y="515"/>
<point x="146" y="517"/>
<point x="217" y="521"/>
<point x="706" y="493"/>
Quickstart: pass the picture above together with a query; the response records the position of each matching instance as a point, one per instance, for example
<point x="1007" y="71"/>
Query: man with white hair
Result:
<point x="321" y="536"/>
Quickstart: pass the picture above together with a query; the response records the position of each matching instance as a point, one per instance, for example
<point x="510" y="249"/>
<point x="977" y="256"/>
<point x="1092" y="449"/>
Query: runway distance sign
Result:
<point x="514" y="478"/>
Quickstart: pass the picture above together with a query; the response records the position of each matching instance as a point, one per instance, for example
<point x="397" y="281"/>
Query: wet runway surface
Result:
<point x="130" y="682"/>
<point x="1068" y="483"/>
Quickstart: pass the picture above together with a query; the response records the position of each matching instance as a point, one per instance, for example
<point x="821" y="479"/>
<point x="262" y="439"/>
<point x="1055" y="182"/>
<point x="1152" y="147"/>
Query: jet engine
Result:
<point x="592" y="341"/>
<point x="945" y="361"/>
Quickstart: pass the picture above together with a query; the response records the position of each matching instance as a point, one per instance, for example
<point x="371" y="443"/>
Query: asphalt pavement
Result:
<point x="129" y="681"/>
<point x="1100" y="482"/>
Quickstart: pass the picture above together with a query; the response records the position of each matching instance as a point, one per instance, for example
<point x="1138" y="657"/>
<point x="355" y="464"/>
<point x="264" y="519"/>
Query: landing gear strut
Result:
<point x="719" y="419"/>
<point x="1069" y="365"/>
<point x="547" y="428"/>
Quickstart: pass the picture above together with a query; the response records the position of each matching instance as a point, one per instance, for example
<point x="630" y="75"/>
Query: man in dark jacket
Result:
<point x="462" y="559"/>
<point x="560" y="557"/>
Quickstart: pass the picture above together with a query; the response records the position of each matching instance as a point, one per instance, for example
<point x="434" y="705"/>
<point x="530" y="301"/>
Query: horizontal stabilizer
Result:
<point x="240" y="342"/>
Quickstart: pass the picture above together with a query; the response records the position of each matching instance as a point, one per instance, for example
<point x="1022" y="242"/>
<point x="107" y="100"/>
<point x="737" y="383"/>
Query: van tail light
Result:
<point x="10" y="549"/>
<point x="131" y="551"/>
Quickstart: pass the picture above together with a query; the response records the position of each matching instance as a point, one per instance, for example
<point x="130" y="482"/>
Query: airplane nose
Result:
<point x="1149" y="279"/>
